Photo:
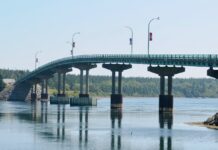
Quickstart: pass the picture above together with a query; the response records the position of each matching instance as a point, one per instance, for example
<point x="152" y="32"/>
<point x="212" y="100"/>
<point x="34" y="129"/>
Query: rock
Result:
<point x="212" y="120"/>
<point x="5" y="93"/>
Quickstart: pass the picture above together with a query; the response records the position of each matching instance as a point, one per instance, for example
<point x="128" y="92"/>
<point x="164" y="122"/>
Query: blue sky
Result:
<point x="186" y="26"/>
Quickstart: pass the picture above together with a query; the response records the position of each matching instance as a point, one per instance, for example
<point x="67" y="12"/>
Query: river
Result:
<point x="138" y="126"/>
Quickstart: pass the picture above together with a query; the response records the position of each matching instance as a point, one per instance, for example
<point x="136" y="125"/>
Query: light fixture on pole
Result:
<point x="73" y="42"/>
<point x="36" y="58"/>
<point x="149" y="33"/>
<point x="131" y="38"/>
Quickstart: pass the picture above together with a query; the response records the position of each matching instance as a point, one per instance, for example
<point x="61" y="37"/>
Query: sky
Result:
<point x="185" y="27"/>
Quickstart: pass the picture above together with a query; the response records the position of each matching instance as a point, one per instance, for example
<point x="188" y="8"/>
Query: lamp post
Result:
<point x="150" y="34"/>
<point x="131" y="39"/>
<point x="73" y="43"/>
<point x="36" y="58"/>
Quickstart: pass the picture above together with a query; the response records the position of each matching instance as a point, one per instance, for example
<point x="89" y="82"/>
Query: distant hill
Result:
<point x="132" y="86"/>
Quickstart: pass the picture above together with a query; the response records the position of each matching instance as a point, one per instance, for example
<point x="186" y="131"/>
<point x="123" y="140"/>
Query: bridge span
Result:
<point x="165" y="65"/>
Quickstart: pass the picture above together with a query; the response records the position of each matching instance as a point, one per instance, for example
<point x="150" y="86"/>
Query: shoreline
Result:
<point x="201" y="124"/>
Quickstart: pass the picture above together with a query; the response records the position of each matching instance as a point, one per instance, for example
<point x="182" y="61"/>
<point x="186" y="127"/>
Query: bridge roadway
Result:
<point x="164" y="65"/>
<point x="179" y="60"/>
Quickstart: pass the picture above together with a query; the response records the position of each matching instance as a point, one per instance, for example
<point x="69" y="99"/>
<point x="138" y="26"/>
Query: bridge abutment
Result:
<point x="116" y="97"/>
<point x="166" y="99"/>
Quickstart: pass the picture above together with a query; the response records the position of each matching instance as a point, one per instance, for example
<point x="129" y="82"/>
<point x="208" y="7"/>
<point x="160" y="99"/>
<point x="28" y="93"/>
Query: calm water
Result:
<point x="137" y="126"/>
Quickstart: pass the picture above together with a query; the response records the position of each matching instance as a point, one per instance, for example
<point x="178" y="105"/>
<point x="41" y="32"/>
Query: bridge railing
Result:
<point x="201" y="60"/>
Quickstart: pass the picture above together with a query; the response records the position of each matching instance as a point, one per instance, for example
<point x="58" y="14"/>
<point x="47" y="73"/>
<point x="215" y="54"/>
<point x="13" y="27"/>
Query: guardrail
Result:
<point x="197" y="60"/>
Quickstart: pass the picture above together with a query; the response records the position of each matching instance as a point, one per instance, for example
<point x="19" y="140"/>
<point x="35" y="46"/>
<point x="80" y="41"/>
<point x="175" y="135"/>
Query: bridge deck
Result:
<point x="164" y="59"/>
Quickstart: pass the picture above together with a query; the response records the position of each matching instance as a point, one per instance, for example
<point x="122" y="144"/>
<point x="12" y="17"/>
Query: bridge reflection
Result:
<point x="165" y="120"/>
<point x="56" y="119"/>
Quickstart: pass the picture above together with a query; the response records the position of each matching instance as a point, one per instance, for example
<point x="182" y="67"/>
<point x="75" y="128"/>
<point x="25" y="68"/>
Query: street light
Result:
<point x="73" y="43"/>
<point x="36" y="58"/>
<point x="131" y="39"/>
<point x="150" y="34"/>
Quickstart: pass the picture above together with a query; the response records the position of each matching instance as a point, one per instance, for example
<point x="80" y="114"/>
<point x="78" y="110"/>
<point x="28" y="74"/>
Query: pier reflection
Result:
<point x="44" y="112"/>
<point x="166" y="122"/>
<point x="116" y="118"/>
<point x="61" y="121"/>
<point x="83" y="126"/>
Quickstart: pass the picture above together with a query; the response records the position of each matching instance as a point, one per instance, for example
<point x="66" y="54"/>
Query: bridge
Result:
<point x="164" y="65"/>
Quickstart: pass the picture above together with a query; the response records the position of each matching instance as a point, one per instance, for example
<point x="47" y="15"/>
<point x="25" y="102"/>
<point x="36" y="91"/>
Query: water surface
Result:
<point x="138" y="126"/>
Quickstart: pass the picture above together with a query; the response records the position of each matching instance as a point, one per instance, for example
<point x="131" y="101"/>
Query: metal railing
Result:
<point x="196" y="60"/>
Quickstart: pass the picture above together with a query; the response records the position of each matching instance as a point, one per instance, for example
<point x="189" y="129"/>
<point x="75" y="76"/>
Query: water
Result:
<point x="137" y="126"/>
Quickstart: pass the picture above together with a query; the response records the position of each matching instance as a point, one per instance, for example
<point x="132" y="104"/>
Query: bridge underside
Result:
<point x="20" y="92"/>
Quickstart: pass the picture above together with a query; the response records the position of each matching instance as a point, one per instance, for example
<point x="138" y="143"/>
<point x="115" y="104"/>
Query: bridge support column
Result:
<point x="59" y="83"/>
<point x="87" y="82"/>
<point x="166" y="100"/>
<point x="61" y="79"/>
<point x="81" y="94"/>
<point x="62" y="82"/>
<point x="82" y="68"/>
<point x="116" y="97"/>
<point x="44" y="89"/>
<point x="34" y="92"/>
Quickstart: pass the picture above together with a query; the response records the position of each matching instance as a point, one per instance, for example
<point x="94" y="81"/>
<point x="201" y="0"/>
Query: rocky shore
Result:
<point x="211" y="122"/>
<point x="6" y="92"/>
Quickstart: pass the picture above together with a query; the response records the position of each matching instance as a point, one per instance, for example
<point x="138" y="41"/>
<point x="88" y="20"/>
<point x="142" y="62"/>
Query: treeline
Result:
<point x="132" y="86"/>
<point x="137" y="86"/>
<point x="13" y="74"/>
<point x="2" y="85"/>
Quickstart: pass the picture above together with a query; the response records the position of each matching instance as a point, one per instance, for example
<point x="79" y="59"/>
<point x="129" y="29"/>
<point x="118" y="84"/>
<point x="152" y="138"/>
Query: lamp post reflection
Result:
<point x="166" y="119"/>
<point x="116" y="114"/>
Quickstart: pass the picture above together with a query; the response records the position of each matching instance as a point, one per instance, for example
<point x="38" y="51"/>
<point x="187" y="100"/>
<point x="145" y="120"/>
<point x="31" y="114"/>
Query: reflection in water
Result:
<point x="83" y="127"/>
<point x="60" y="121"/>
<point x="166" y="119"/>
<point x="116" y="114"/>
<point x="44" y="112"/>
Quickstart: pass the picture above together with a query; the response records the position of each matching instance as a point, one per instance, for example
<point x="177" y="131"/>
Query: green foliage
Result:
<point x="12" y="74"/>
<point x="2" y="85"/>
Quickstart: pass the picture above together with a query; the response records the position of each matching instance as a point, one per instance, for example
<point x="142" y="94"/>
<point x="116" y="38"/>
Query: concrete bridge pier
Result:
<point x="84" y="68"/>
<point x="44" y="89"/>
<point x="62" y="82"/>
<point x="60" y="98"/>
<point x="34" y="92"/>
<point x="84" y="99"/>
<point x="116" y="97"/>
<point x="166" y="99"/>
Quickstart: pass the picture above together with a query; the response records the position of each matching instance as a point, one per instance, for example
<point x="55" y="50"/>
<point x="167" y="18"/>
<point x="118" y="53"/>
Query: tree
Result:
<point x="2" y="84"/>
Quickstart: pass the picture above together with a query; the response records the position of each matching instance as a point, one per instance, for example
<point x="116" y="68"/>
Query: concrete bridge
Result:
<point x="163" y="65"/>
